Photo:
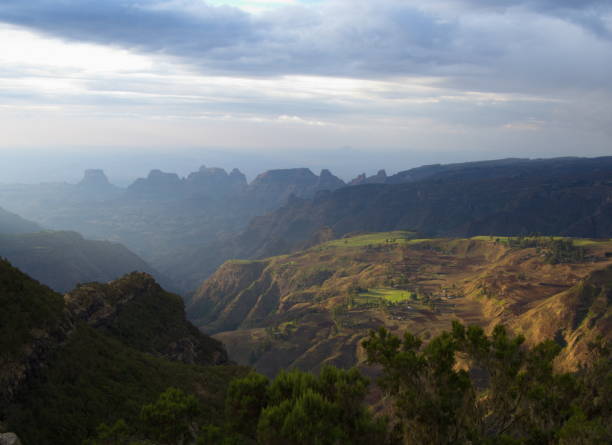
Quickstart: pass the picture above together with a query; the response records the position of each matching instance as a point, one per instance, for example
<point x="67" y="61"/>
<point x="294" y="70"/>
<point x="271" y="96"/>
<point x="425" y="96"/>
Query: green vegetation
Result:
<point x="95" y="379"/>
<point x="390" y="295"/>
<point x="300" y="409"/>
<point x="371" y="239"/>
<point x="512" y="395"/>
<point x="26" y="307"/>
<point x="173" y="418"/>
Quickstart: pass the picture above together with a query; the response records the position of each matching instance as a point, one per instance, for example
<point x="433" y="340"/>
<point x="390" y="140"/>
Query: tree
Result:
<point x="509" y="395"/>
<point x="246" y="398"/>
<point x="171" y="419"/>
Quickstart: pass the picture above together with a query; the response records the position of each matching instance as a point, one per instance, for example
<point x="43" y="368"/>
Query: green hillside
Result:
<point x="313" y="307"/>
<point x="66" y="367"/>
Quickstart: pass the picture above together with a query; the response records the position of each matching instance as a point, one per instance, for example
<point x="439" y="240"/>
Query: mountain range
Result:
<point x="564" y="196"/>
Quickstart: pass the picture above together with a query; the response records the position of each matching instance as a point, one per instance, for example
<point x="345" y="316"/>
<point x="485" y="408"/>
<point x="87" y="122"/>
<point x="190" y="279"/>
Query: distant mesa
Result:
<point x="212" y="181"/>
<point x="288" y="176"/>
<point x="157" y="183"/>
<point x="94" y="179"/>
<point x="216" y="180"/>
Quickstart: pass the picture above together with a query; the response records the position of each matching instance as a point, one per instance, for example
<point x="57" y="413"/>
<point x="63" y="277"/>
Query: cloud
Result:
<point x="393" y="68"/>
<point x="593" y="15"/>
<point x="340" y="38"/>
<point x="188" y="27"/>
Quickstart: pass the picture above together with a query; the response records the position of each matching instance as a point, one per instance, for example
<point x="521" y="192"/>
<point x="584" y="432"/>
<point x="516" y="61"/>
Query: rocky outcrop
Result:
<point x="136" y="310"/>
<point x="328" y="181"/>
<point x="9" y="439"/>
<point x="211" y="182"/>
<point x="215" y="182"/>
<point x="157" y="185"/>
<point x="378" y="178"/>
<point x="94" y="179"/>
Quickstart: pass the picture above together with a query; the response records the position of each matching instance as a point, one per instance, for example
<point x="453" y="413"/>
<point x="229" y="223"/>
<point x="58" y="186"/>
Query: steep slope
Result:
<point x="63" y="259"/>
<point x="575" y="317"/>
<point x="313" y="307"/>
<point x="11" y="224"/>
<point x="33" y="324"/>
<point x="68" y="366"/>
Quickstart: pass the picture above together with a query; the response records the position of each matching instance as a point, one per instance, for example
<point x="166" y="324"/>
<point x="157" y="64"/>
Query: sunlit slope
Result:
<point x="314" y="306"/>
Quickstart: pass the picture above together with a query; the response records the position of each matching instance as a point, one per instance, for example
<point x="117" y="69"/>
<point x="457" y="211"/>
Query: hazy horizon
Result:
<point x="123" y="168"/>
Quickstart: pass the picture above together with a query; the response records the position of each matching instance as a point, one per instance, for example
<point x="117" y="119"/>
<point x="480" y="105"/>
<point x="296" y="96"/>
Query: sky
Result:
<point x="346" y="84"/>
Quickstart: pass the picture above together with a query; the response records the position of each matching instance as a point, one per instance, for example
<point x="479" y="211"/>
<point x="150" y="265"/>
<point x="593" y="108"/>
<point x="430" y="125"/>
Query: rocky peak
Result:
<point x="238" y="176"/>
<point x="378" y="178"/>
<point x="138" y="311"/>
<point x="215" y="181"/>
<point x="94" y="179"/>
<point x="360" y="179"/>
<point x="328" y="181"/>
<point x="157" y="183"/>
<point x="159" y="177"/>
<point x="9" y="439"/>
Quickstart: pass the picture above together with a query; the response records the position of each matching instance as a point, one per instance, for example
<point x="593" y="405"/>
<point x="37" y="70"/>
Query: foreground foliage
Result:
<point x="296" y="408"/>
<point x="465" y="387"/>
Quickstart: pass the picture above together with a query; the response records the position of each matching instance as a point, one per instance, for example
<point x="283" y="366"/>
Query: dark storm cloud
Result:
<point x="475" y="45"/>
<point x="346" y="38"/>
<point x="147" y="25"/>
